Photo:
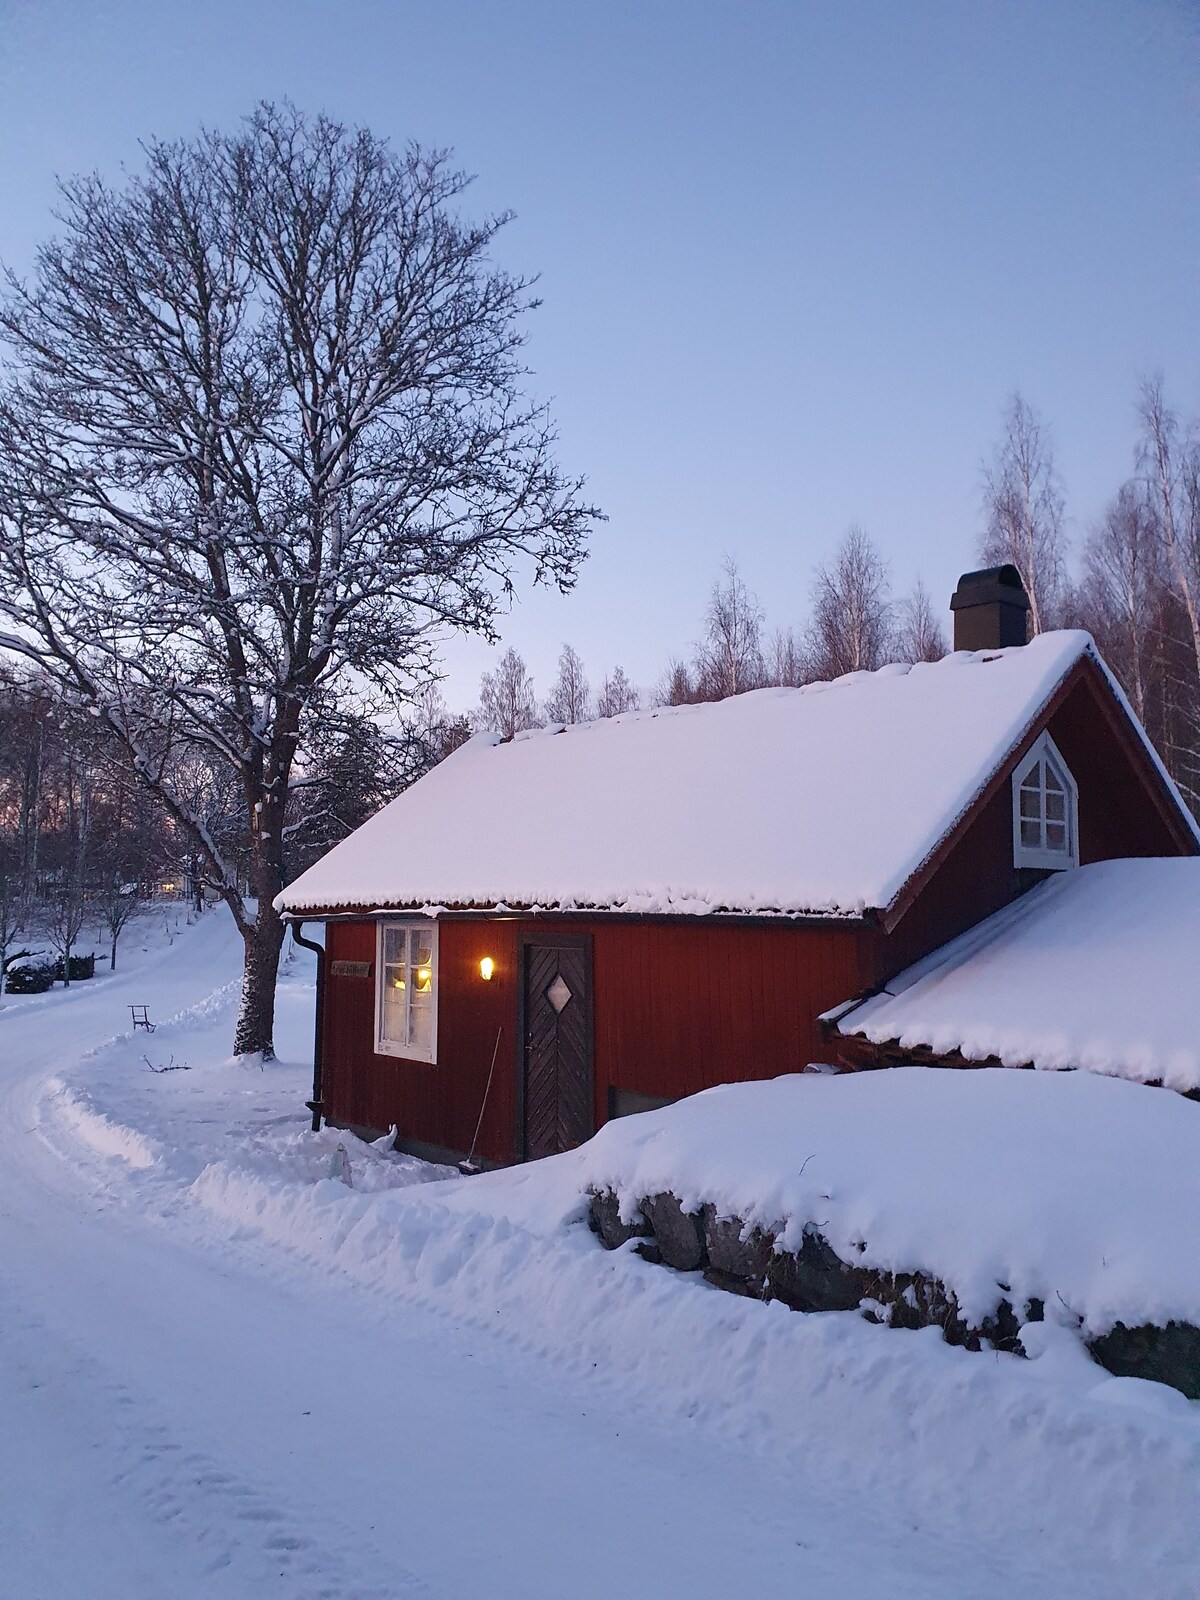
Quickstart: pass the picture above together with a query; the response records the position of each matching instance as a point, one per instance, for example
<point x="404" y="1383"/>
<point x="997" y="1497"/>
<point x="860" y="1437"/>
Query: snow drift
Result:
<point x="1080" y="1191"/>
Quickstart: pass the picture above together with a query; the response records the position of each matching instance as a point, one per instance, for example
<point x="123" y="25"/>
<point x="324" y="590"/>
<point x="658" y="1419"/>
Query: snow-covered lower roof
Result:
<point x="1098" y="968"/>
<point x="820" y="801"/>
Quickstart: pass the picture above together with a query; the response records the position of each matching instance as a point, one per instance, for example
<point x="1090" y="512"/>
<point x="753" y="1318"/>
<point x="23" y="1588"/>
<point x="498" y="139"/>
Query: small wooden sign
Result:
<point x="352" y="969"/>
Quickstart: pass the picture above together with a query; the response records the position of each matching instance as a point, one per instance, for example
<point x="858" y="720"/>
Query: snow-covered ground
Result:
<point x="224" y="1372"/>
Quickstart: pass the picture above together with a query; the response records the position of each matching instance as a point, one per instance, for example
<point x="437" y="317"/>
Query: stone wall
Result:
<point x="814" y="1278"/>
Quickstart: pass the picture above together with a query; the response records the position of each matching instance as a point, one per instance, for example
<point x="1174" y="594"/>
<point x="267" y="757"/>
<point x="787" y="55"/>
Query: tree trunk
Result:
<point x="112" y="955"/>
<point x="255" y="1032"/>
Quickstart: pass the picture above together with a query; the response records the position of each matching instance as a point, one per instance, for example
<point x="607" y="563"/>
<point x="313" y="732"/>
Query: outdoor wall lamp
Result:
<point x="486" y="967"/>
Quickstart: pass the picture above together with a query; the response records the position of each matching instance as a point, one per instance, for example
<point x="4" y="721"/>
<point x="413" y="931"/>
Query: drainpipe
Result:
<point x="316" y="1105"/>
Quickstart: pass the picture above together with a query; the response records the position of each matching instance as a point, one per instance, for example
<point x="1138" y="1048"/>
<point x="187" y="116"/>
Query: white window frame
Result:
<point x="1044" y="748"/>
<point x="389" y="1047"/>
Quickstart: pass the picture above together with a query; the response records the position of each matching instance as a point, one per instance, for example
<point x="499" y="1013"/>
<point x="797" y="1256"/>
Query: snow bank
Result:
<point x="1094" y="969"/>
<point x="1080" y="1191"/>
<point x="1051" y="1444"/>
<point x="100" y="1132"/>
<point x="788" y="780"/>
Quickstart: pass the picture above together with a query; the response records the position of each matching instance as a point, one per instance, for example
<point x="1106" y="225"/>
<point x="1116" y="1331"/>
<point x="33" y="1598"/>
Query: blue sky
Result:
<point x="793" y="256"/>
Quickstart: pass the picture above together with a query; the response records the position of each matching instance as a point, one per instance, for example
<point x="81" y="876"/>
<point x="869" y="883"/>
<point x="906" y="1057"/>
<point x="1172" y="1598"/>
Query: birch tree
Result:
<point x="506" y="699"/>
<point x="786" y="660"/>
<point x="851" y="626"/>
<point x="919" y="632"/>
<point x="264" y="432"/>
<point x="729" y="659"/>
<point x="617" y="695"/>
<point x="570" y="699"/>
<point x="1023" y="503"/>
<point x="1170" y="465"/>
<point x="1121" y="597"/>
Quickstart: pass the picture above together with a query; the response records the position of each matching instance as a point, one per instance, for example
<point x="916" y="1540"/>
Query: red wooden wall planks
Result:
<point x="678" y="1007"/>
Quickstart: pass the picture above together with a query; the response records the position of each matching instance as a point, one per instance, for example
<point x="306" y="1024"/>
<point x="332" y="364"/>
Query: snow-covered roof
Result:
<point x="1095" y="968"/>
<point x="820" y="801"/>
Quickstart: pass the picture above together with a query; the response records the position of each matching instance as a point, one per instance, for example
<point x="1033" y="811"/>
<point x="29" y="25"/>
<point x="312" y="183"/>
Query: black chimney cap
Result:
<point x="991" y="609"/>
<point x="988" y="586"/>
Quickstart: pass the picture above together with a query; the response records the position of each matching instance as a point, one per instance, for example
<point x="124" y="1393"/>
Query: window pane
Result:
<point x="394" y="1025"/>
<point x="1056" y="836"/>
<point x="420" y="1004"/>
<point x="1031" y="835"/>
<point x="421" y="1020"/>
<point x="395" y="995"/>
<point x="1031" y="804"/>
<point x="407" y="998"/>
<point x="1056" y="805"/>
<point x="1054" y="778"/>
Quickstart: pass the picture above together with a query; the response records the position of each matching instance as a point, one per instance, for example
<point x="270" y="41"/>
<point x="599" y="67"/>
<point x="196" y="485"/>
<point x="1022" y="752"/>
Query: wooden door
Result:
<point x="558" y="1100"/>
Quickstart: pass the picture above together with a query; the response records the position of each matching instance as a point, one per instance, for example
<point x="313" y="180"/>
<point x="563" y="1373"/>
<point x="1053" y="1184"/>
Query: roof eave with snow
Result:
<point x="824" y="802"/>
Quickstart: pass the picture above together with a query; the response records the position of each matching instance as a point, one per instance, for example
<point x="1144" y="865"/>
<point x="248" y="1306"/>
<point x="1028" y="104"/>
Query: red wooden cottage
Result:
<point x="626" y="911"/>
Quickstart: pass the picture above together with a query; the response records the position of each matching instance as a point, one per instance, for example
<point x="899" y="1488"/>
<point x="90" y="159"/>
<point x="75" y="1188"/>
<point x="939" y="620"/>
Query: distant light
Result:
<point x="486" y="967"/>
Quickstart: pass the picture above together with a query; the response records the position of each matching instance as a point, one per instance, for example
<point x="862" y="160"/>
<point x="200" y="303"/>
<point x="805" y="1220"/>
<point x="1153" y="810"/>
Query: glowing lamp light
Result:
<point x="486" y="967"/>
<point x="424" y="979"/>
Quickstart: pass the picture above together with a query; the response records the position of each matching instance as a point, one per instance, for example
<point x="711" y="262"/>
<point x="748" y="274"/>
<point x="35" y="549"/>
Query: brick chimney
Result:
<point x="990" y="609"/>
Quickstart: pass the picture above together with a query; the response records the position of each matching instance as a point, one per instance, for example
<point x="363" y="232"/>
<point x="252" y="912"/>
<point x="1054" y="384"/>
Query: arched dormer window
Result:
<point x="1045" y="809"/>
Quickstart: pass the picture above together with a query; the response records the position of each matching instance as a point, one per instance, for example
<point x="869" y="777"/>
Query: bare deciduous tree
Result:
<point x="617" y="695"/>
<point x="506" y="699"/>
<point x="1023" y="503"/>
<point x="677" y="688"/>
<point x="1121" y="592"/>
<point x="570" y="699"/>
<point x="432" y="732"/>
<point x="68" y="903"/>
<point x="12" y="905"/>
<point x="786" y="660"/>
<point x="118" y="902"/>
<point x="1171" y="466"/>
<point x="919" y="633"/>
<point x="851" y="625"/>
<point x="729" y="658"/>
<point x="264" y="433"/>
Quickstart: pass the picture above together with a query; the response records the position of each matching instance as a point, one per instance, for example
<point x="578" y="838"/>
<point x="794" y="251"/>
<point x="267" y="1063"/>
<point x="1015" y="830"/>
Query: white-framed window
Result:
<point x="1045" y="809"/>
<point x="406" y="989"/>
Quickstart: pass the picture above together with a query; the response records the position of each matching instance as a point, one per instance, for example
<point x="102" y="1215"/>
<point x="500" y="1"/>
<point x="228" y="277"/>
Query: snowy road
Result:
<point x="187" y="1410"/>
